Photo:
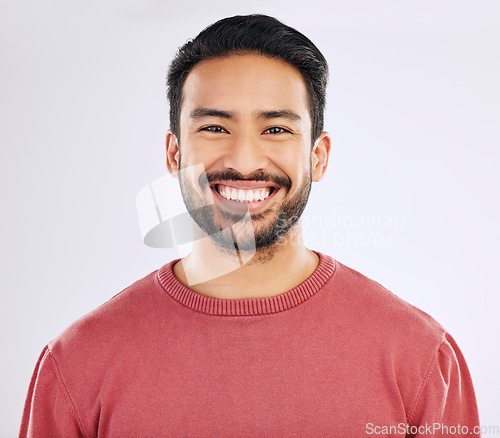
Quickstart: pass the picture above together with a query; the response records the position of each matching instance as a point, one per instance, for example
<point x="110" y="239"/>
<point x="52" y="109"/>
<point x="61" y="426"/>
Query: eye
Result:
<point x="276" y="130"/>
<point x="213" y="128"/>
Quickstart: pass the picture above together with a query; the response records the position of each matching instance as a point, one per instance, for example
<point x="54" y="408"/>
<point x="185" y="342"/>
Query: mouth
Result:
<point x="251" y="195"/>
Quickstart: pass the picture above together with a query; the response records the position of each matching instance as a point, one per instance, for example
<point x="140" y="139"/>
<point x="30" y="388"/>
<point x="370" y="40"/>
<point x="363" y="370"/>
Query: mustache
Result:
<point x="233" y="175"/>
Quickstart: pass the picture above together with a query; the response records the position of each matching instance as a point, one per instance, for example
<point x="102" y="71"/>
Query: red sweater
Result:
<point x="337" y="356"/>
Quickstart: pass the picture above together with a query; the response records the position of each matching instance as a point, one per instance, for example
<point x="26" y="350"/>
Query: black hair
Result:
<point x="258" y="34"/>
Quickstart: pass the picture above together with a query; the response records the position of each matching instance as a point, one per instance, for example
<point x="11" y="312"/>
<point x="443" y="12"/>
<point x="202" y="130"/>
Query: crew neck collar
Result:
<point x="247" y="306"/>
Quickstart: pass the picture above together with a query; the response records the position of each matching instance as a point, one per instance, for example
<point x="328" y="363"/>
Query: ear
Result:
<point x="320" y="155"/>
<point x="172" y="146"/>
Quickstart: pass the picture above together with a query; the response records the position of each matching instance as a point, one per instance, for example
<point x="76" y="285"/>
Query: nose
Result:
<point x="245" y="154"/>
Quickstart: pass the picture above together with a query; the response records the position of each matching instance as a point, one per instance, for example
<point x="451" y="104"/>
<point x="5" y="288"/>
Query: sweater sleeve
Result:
<point x="48" y="410"/>
<point x="446" y="404"/>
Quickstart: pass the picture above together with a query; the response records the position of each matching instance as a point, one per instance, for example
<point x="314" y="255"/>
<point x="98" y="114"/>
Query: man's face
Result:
<point x="245" y="118"/>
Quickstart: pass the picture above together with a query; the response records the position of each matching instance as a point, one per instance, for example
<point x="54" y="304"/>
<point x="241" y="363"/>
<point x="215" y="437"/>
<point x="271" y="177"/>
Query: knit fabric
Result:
<point x="337" y="356"/>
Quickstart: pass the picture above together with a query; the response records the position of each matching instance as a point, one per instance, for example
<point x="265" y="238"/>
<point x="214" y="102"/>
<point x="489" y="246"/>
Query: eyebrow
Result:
<point x="199" y="113"/>
<point x="280" y="114"/>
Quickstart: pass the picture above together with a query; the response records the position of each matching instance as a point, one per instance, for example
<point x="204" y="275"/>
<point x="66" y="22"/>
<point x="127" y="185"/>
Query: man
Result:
<point x="252" y="334"/>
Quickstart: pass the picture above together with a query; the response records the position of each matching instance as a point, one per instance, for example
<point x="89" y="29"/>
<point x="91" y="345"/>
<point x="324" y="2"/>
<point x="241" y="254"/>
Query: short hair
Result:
<point x="256" y="34"/>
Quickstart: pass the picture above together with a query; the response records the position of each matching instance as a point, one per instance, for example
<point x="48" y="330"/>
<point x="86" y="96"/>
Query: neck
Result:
<point x="212" y="272"/>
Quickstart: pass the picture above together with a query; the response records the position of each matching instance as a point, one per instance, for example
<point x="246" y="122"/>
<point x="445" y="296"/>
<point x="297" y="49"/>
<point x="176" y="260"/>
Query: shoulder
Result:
<point x="398" y="336"/>
<point x="111" y="322"/>
<point x="375" y="308"/>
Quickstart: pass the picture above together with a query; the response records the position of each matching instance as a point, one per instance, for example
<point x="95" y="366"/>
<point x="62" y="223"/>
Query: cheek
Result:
<point x="296" y="166"/>
<point x="199" y="150"/>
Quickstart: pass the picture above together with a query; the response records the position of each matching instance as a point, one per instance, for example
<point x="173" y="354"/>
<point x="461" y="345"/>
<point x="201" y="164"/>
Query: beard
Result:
<point x="261" y="232"/>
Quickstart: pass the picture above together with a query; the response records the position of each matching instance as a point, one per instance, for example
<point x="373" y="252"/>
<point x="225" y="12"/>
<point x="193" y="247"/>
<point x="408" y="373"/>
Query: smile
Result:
<point x="249" y="196"/>
<point x="244" y="195"/>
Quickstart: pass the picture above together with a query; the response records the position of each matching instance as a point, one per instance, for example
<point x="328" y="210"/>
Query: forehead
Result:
<point x="245" y="84"/>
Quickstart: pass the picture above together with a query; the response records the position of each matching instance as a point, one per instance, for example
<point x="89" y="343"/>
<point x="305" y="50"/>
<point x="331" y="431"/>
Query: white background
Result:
<point x="413" y="108"/>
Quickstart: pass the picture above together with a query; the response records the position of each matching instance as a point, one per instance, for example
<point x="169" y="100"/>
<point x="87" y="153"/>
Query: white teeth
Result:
<point x="243" y="195"/>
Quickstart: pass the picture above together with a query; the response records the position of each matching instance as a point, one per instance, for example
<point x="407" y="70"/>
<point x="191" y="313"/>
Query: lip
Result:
<point x="252" y="206"/>
<point x="246" y="185"/>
